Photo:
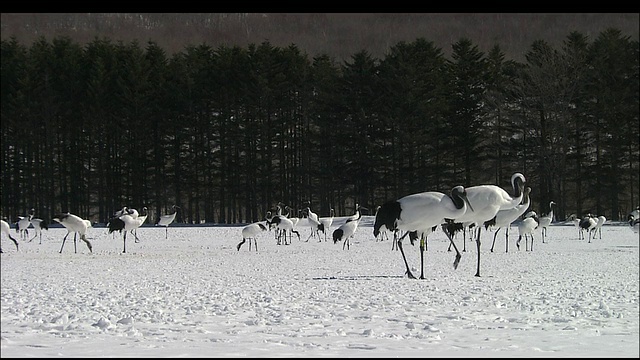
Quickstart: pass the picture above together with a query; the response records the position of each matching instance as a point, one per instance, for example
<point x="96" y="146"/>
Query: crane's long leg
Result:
<point x="14" y="241"/>
<point x="456" y="262"/>
<point x="75" y="246"/>
<point x="506" y="245"/>
<point x="478" y="246"/>
<point x="135" y="235"/>
<point x="399" y="243"/>
<point x="84" y="238"/>
<point x="494" y="238"/>
<point x="166" y="232"/>
<point x="464" y="239"/>
<point x="124" y="250"/>
<point x="63" y="240"/>
<point x="422" y="248"/>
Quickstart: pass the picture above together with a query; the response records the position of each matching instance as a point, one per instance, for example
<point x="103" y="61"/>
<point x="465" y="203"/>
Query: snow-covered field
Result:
<point x="195" y="295"/>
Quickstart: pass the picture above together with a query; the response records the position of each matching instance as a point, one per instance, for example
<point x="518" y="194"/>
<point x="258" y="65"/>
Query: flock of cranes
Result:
<point x="425" y="211"/>
<point x="417" y="215"/>
<point x="591" y="224"/>
<point x="123" y="221"/>
<point x="285" y="226"/>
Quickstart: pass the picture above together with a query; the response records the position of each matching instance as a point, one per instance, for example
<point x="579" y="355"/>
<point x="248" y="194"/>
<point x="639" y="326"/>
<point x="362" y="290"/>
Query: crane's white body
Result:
<point x="598" y="228"/>
<point x="485" y="202"/>
<point x="126" y="223"/>
<point x="283" y="226"/>
<point x="312" y="218"/>
<point x="526" y="228"/>
<point x="421" y="212"/>
<point x="6" y="229"/>
<point x="23" y="224"/>
<point x="166" y="220"/>
<point x="588" y="223"/>
<point x="327" y="222"/>
<point x="75" y="224"/>
<point x="504" y="218"/>
<point x="38" y="226"/>
<point x="545" y="221"/>
<point x="345" y="232"/>
<point x="250" y="232"/>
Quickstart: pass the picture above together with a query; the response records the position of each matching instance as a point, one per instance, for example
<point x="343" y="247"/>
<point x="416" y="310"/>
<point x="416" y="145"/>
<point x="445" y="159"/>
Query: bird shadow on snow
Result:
<point x="358" y="277"/>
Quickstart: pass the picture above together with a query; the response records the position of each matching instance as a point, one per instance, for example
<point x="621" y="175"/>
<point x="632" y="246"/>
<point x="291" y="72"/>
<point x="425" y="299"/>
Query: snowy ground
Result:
<point x="195" y="295"/>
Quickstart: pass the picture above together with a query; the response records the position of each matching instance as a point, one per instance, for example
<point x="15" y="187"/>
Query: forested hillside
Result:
<point x="339" y="35"/>
<point x="227" y="131"/>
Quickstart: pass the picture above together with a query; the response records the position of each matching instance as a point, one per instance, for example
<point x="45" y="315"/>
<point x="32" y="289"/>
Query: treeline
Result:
<point x="227" y="132"/>
<point x="339" y="35"/>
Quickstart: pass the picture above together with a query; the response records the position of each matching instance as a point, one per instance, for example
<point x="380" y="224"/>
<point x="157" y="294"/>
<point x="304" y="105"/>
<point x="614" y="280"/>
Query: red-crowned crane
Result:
<point x="250" y="232"/>
<point x="598" y="228"/>
<point x="315" y="224"/>
<point x="142" y="218"/>
<point x="285" y="232"/>
<point x="125" y="223"/>
<point x="75" y="224"/>
<point x="294" y="221"/>
<point x="545" y="221"/>
<point x="166" y="220"/>
<point x="283" y="226"/>
<point x="487" y="200"/>
<point x="588" y="223"/>
<point x="383" y="232"/>
<point x="346" y="230"/>
<point x="38" y="226"/>
<point x="504" y="218"/>
<point x="526" y="227"/>
<point x="420" y="212"/>
<point x="327" y="222"/>
<point x="23" y="223"/>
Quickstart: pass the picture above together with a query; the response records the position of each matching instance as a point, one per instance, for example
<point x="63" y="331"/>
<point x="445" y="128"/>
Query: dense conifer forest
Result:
<point x="227" y="128"/>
